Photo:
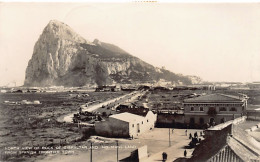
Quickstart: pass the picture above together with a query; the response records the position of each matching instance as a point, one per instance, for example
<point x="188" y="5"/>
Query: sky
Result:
<point x="215" y="41"/>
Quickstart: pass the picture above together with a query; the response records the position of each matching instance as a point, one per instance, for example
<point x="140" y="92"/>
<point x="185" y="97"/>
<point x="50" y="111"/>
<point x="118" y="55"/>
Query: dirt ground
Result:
<point x="157" y="141"/>
<point x="29" y="125"/>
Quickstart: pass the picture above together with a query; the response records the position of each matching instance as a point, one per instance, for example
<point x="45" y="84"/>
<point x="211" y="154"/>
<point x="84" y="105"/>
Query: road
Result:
<point x="121" y="99"/>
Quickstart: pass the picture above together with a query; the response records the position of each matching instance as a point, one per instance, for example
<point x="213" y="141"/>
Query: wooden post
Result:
<point x="117" y="150"/>
<point x="169" y="137"/>
<point x="91" y="152"/>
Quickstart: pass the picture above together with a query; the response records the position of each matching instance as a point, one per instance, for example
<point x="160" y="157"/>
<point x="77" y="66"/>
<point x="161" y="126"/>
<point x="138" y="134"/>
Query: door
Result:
<point x="211" y="121"/>
<point x="138" y="128"/>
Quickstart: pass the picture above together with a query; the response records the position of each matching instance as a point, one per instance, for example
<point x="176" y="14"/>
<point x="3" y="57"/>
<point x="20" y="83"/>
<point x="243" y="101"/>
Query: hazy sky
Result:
<point x="218" y="42"/>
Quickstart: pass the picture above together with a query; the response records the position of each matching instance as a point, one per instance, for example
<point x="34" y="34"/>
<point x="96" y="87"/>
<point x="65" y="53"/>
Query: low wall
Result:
<point x="253" y="115"/>
<point x="223" y="128"/>
<point x="138" y="155"/>
<point x="170" y="120"/>
<point x="223" y="125"/>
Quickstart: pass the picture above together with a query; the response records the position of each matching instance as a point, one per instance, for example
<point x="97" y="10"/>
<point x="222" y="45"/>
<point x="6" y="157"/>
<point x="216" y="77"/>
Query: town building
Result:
<point x="126" y="125"/>
<point x="213" y="109"/>
<point x="231" y="143"/>
<point x="107" y="89"/>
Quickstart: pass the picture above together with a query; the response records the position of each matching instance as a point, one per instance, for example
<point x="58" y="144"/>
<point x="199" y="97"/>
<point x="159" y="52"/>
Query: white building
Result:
<point x="126" y="125"/>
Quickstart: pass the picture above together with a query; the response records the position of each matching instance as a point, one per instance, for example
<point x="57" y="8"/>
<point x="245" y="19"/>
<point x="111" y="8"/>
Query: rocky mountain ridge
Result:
<point x="61" y="57"/>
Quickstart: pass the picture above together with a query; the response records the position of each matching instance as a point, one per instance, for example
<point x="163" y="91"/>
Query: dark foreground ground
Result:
<point x="32" y="125"/>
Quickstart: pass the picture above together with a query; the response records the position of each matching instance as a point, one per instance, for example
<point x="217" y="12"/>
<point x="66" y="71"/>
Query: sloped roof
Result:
<point x="246" y="140"/>
<point x="241" y="144"/>
<point x="243" y="152"/>
<point x="127" y="117"/>
<point x="216" y="97"/>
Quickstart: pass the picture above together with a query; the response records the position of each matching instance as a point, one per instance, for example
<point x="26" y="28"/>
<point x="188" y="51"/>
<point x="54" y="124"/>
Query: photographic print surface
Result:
<point x="134" y="81"/>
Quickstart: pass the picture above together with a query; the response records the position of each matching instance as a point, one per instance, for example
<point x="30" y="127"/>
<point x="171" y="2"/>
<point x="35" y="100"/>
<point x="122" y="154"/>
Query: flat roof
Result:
<point x="127" y="117"/>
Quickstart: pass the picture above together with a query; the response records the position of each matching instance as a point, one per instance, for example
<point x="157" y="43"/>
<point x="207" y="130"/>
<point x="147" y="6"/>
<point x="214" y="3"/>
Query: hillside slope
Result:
<point x="62" y="57"/>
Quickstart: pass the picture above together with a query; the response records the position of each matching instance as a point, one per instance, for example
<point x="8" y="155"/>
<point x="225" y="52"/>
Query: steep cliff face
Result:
<point x="62" y="57"/>
<point x="58" y="59"/>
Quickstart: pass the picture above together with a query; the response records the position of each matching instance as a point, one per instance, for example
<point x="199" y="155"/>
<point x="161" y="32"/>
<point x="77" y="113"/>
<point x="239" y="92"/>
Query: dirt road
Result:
<point x="121" y="99"/>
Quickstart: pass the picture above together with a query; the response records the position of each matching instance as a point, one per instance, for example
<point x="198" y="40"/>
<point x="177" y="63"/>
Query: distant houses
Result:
<point x="115" y="88"/>
<point x="126" y="125"/>
<point x="107" y="89"/>
<point x="254" y="85"/>
<point x="213" y="109"/>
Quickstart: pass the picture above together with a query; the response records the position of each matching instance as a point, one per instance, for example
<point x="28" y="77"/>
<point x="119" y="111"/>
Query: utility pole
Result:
<point x="117" y="150"/>
<point x="91" y="152"/>
<point x="169" y="137"/>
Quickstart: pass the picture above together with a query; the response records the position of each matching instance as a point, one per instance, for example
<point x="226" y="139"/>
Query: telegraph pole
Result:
<point x="169" y="137"/>
<point x="117" y="150"/>
<point x="91" y="152"/>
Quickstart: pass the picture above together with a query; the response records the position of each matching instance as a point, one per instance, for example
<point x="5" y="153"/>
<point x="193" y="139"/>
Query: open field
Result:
<point x="36" y="124"/>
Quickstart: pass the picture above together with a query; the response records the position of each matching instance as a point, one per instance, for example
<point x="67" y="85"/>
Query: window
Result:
<point x="233" y="109"/>
<point x="192" y="109"/>
<point x="142" y="122"/>
<point x="147" y="120"/>
<point x="201" y="121"/>
<point x="222" y="109"/>
<point x="201" y="108"/>
<point x="192" y="121"/>
<point x="133" y="125"/>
